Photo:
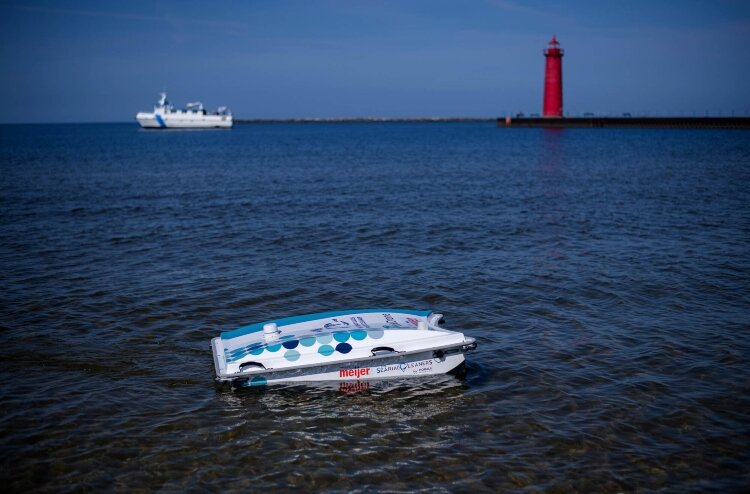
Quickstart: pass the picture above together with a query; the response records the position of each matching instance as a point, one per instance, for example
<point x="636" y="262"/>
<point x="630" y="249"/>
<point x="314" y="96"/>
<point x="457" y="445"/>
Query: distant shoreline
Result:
<point x="362" y="120"/>
<point x="742" y="122"/>
<point x="545" y="122"/>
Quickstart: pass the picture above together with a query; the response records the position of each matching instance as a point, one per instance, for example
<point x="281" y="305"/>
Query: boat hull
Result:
<point x="352" y="345"/>
<point x="396" y="367"/>
<point x="178" y="121"/>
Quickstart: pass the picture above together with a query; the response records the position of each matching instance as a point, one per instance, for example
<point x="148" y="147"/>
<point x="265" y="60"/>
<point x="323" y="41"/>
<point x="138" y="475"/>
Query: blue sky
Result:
<point x="81" y="61"/>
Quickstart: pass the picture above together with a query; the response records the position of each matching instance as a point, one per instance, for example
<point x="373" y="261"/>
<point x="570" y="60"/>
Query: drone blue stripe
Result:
<point x="160" y="120"/>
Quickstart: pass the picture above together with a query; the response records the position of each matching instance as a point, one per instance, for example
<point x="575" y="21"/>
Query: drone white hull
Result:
<point x="357" y="345"/>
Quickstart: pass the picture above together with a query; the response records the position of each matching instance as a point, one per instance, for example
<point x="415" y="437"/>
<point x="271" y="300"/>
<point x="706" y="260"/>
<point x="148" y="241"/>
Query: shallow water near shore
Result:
<point x="604" y="273"/>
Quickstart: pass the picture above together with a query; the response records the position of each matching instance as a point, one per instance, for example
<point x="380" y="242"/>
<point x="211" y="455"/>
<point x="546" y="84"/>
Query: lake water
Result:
<point x="604" y="273"/>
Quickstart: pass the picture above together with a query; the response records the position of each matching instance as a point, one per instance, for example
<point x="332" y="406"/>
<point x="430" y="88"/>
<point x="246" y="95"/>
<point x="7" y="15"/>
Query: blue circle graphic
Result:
<point x="359" y="335"/>
<point x="273" y="348"/>
<point x="291" y="344"/>
<point x="341" y="336"/>
<point x="291" y="355"/>
<point x="324" y="339"/>
<point x="375" y="334"/>
<point x="344" y="348"/>
<point x="256" y="351"/>
<point x="325" y="350"/>
<point x="307" y="341"/>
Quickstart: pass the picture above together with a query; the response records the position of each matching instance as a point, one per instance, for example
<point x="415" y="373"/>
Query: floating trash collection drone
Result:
<point x="351" y="345"/>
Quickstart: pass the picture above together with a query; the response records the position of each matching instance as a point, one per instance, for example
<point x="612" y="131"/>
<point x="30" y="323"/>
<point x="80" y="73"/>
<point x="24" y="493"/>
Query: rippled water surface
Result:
<point x="604" y="273"/>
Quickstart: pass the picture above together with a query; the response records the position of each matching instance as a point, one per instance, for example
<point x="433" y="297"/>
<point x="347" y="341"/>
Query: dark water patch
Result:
<point x="604" y="274"/>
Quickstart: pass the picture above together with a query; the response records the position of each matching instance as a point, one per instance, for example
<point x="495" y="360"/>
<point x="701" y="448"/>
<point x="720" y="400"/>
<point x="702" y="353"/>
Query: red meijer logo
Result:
<point x="354" y="372"/>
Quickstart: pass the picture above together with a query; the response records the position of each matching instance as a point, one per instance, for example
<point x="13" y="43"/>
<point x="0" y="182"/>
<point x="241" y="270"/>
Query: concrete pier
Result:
<point x="628" y="122"/>
<point x="364" y="120"/>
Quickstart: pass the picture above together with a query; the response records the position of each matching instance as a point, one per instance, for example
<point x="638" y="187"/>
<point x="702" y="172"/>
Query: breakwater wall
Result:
<point x="361" y="120"/>
<point x="628" y="122"/>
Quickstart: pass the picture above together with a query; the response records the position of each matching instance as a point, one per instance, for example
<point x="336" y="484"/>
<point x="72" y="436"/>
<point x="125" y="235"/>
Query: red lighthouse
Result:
<point x="553" y="100"/>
